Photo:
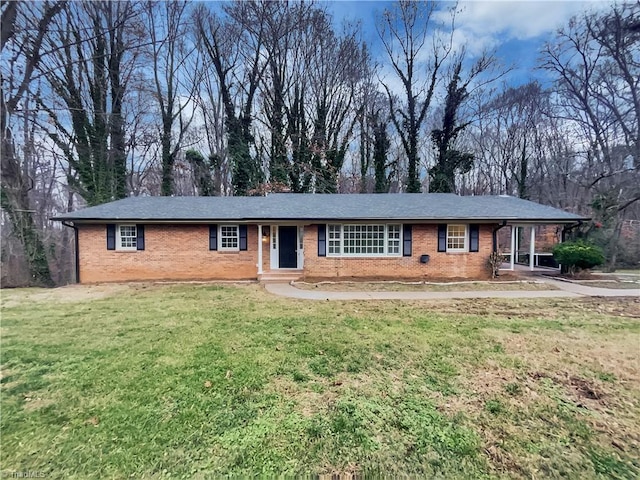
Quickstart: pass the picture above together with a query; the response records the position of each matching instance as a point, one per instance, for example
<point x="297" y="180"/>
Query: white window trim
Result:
<point x="228" y="249"/>
<point x="119" y="237"/>
<point x="466" y="238"/>
<point x="385" y="254"/>
<point x="274" y="247"/>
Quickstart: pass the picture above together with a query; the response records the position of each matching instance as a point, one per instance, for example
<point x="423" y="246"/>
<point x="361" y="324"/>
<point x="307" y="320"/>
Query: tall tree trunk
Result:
<point x="14" y="199"/>
<point x="524" y="167"/>
<point x="380" y="149"/>
<point x="613" y="245"/>
<point x="14" y="184"/>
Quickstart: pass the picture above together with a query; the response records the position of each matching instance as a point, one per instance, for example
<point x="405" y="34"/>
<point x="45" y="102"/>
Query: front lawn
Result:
<point x="199" y="381"/>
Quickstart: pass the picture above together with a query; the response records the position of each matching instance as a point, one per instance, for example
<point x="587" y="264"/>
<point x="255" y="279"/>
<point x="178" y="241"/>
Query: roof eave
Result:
<point x="509" y="220"/>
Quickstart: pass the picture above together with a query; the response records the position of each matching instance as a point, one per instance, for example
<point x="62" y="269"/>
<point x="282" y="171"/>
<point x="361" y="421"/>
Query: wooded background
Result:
<point x="104" y="100"/>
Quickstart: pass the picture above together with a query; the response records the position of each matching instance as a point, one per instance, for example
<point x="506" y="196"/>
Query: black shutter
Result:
<point x="140" y="237"/>
<point x="322" y="240"/>
<point x="406" y="240"/>
<point x="474" y="237"/>
<point x="442" y="238"/>
<point x="213" y="237"/>
<point x="111" y="236"/>
<point x="242" y="231"/>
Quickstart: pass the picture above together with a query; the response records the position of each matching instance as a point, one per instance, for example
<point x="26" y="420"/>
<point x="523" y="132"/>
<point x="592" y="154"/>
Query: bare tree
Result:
<point x="372" y="114"/>
<point x="308" y="93"/>
<point x="336" y="69"/>
<point x="175" y="63"/>
<point x="144" y="175"/>
<point x="88" y="75"/>
<point x="596" y="63"/>
<point x="407" y="31"/>
<point x="522" y="148"/>
<point x="506" y="135"/>
<point x="282" y="27"/>
<point x="235" y="54"/>
<point x="214" y="128"/>
<point x="24" y="51"/>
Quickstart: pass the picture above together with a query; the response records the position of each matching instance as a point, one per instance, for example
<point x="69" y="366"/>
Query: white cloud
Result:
<point x="487" y="21"/>
<point x="514" y="29"/>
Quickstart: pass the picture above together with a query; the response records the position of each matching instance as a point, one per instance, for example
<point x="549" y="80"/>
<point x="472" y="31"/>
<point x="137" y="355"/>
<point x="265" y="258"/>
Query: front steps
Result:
<point x="280" y="276"/>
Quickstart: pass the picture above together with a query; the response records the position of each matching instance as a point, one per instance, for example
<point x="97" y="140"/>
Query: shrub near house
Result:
<point x="578" y="256"/>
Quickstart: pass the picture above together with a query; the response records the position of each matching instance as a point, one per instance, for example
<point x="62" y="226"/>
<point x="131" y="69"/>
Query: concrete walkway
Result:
<point x="566" y="289"/>
<point x="592" y="291"/>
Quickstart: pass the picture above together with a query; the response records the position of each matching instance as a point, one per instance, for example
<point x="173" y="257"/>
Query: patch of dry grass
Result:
<point x="631" y="285"/>
<point x="391" y="286"/>
<point x="67" y="294"/>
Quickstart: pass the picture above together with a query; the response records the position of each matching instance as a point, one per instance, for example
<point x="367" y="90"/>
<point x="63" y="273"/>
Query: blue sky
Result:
<point x="515" y="29"/>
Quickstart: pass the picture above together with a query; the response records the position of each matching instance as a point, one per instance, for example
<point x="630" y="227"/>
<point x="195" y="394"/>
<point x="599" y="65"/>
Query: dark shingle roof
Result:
<point x="339" y="207"/>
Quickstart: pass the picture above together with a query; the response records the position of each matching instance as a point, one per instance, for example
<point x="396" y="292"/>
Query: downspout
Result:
<point x="494" y="261"/>
<point x="567" y="229"/>
<point x="495" y="235"/>
<point x="563" y="237"/>
<point x="77" y="251"/>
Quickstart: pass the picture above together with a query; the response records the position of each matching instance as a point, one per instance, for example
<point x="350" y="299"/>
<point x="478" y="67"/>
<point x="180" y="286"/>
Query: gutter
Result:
<point x="77" y="251"/>
<point x="540" y="221"/>
<point x="495" y="235"/>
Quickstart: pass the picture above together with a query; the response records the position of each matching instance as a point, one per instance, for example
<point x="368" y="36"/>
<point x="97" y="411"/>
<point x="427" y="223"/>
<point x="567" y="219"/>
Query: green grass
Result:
<point x="202" y="381"/>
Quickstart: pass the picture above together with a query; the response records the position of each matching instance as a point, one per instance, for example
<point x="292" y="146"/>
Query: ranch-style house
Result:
<point x="300" y="236"/>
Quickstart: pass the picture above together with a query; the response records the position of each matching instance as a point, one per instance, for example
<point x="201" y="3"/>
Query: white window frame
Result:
<point x="274" y="247"/>
<point x="336" y="240"/>
<point x="388" y="239"/>
<point x="119" y="237"/>
<point x="300" y="247"/>
<point x="465" y="237"/>
<point x="221" y="246"/>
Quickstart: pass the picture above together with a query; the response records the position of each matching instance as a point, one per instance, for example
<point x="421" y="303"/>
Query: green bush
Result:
<point x="578" y="255"/>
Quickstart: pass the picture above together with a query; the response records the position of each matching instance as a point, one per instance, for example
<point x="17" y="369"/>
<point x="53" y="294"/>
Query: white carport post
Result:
<point x="532" y="248"/>
<point x="259" y="250"/>
<point x="512" y="257"/>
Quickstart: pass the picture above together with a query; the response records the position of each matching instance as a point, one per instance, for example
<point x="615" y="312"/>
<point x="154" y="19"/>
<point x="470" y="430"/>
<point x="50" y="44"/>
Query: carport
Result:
<point x="520" y="244"/>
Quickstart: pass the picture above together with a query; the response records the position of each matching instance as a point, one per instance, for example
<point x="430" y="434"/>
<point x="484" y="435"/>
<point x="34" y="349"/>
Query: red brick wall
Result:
<point x="424" y="240"/>
<point x="172" y="252"/>
<point x="181" y="252"/>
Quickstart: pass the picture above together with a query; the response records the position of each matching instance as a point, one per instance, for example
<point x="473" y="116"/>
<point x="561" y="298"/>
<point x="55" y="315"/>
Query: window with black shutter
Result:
<point x="322" y="240"/>
<point x="442" y="238"/>
<point x="474" y="237"/>
<point x="111" y="236"/>
<point x="140" y="237"/>
<point x="243" y="237"/>
<point x="213" y="237"/>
